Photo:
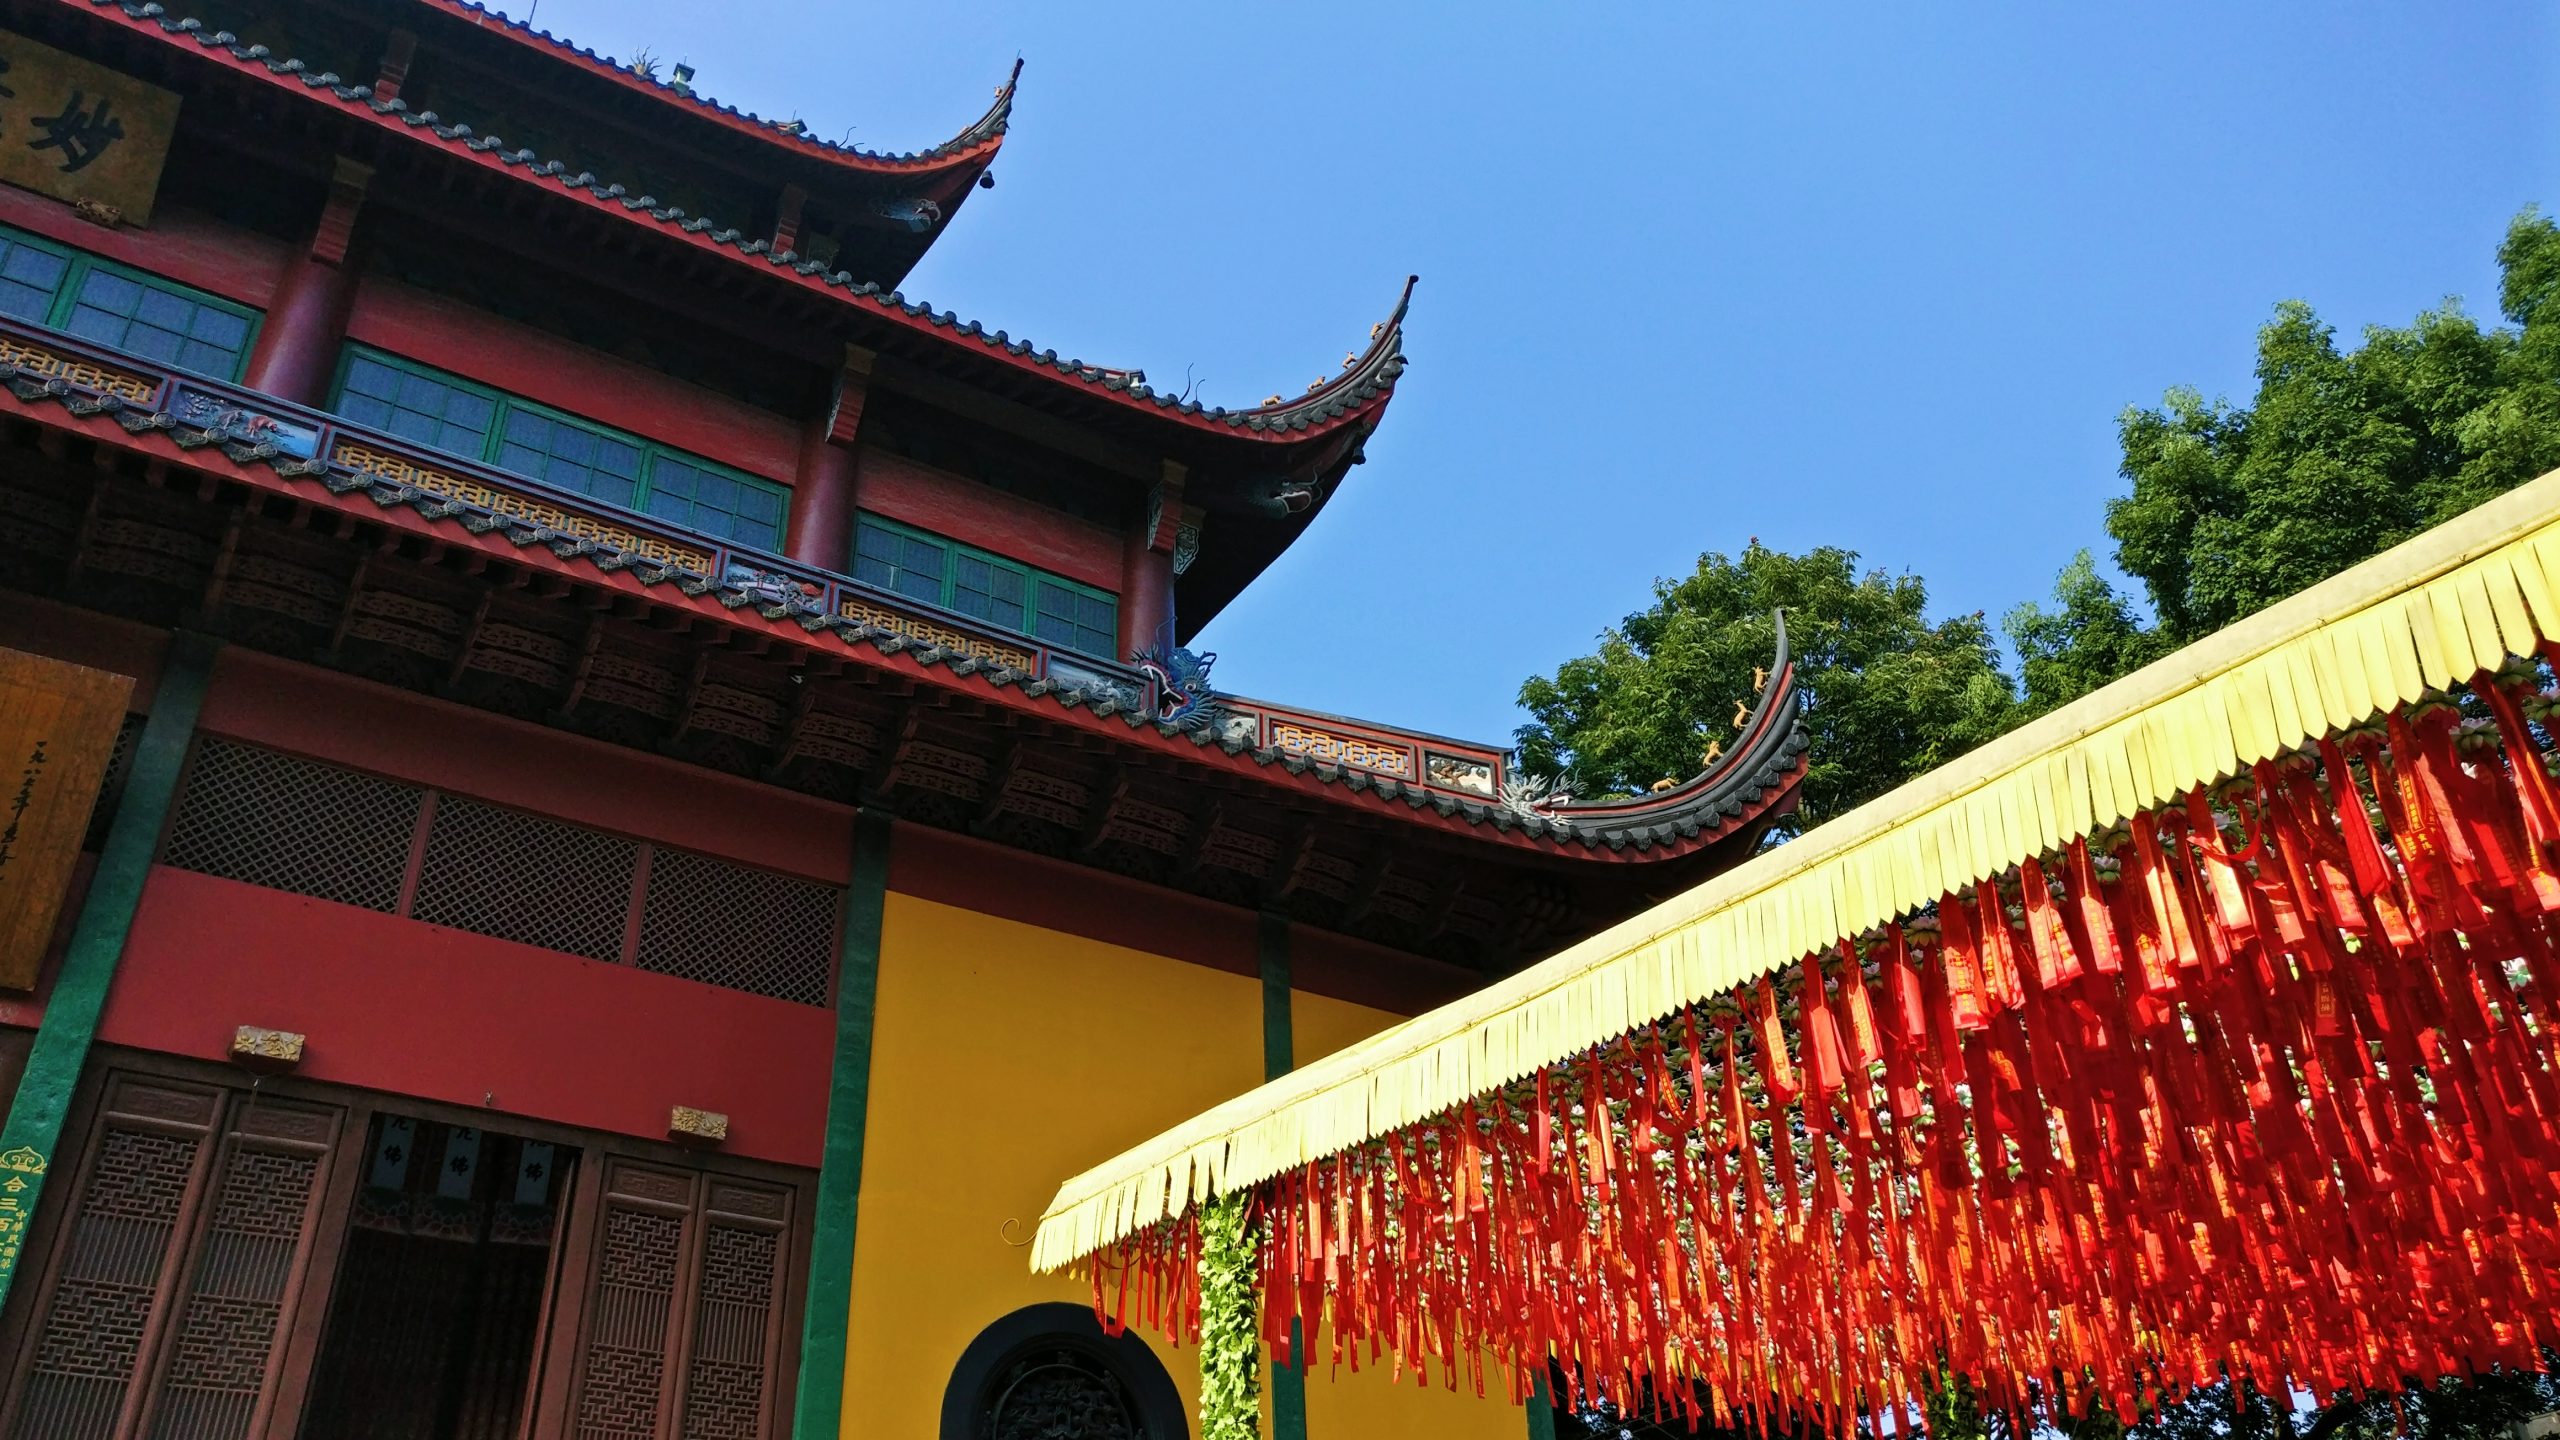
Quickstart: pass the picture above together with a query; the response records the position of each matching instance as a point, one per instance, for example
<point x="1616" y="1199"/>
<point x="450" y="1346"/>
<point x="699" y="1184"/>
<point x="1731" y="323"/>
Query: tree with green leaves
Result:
<point x="2339" y="456"/>
<point x="1889" y="694"/>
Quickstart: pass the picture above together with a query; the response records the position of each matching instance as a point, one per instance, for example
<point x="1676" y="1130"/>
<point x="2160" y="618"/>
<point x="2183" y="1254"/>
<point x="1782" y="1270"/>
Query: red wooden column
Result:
<point x="820" y="529"/>
<point x="297" y="349"/>
<point x="1146" y="569"/>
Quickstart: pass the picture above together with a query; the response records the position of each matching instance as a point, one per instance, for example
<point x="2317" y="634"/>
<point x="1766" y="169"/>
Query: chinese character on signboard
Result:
<point x="76" y="130"/>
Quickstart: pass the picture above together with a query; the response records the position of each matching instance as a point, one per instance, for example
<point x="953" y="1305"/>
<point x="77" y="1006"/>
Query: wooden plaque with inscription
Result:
<point x="58" y="726"/>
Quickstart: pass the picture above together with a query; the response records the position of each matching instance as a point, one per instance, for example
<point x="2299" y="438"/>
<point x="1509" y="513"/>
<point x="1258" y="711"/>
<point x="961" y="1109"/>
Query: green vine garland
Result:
<point x="1230" y="1354"/>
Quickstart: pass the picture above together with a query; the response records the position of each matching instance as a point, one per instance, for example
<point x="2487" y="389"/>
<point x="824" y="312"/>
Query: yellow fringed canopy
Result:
<point x="2432" y="612"/>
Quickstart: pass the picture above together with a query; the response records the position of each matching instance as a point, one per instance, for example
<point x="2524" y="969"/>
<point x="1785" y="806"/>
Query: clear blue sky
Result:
<point x="1874" y="276"/>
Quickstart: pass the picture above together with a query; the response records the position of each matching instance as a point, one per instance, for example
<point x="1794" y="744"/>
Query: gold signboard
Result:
<point x="78" y="131"/>
<point x="58" y="726"/>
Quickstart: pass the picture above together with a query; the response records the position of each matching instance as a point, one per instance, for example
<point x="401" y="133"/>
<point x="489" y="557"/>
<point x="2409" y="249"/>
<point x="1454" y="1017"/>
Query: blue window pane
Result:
<point x="24" y="301"/>
<point x="574" y="446"/>
<point x="611" y="489"/>
<point x="110" y="292"/>
<point x="761" y="535"/>
<point x="668" y="506"/>
<point x="30" y="266"/>
<point x="522" y="459"/>
<point x="219" y="327"/>
<point x="418" y="392"/>
<point x="473" y="412"/>
<point x="90" y="323"/>
<point x="29" y="277"/>
<point x="760" y="505"/>
<point x="159" y="322"/>
<point x="364" y="410"/>
<point x="674" y="478"/>
<point x="372" y="378"/>
<point x="147" y="341"/>
<point x="620" y="459"/>
<point x="159" y="307"/>
<point x="409" y="425"/>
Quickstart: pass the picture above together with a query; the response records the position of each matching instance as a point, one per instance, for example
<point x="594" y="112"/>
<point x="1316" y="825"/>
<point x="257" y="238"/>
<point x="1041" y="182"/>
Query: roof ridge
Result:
<point x="1367" y="377"/>
<point x="988" y="128"/>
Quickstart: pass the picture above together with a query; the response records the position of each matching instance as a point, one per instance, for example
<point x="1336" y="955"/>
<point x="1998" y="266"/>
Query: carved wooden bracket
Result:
<point x="338" y="218"/>
<point x="853" y="386"/>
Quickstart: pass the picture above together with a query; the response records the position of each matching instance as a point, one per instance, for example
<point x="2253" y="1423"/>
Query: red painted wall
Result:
<point x="85" y="637"/>
<point x="242" y="265"/>
<point x="188" y="247"/>
<point x="988" y="518"/>
<point x="524" y="361"/>
<point x="308" y="711"/>
<point x="392" y="1004"/>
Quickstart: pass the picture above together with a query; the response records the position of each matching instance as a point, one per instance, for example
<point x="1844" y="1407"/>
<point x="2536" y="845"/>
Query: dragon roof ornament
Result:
<point x="1771" y="743"/>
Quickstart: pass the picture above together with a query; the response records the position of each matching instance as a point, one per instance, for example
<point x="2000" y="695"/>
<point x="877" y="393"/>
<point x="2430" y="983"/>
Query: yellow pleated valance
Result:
<point x="2430" y="613"/>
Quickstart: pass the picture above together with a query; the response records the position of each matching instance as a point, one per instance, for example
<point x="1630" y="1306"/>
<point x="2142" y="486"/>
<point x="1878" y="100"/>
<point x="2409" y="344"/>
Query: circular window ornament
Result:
<point x="1049" y="1372"/>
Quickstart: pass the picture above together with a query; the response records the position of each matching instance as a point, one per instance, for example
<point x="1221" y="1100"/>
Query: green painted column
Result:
<point x="1271" y="942"/>
<point x="1541" y="1410"/>
<point x="819" y="1411"/>
<point x="34" y="1127"/>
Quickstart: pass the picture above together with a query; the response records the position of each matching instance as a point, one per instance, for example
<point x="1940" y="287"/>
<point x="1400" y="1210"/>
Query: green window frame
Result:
<point x="428" y="406"/>
<point x="985" y="587"/>
<point x="45" y="282"/>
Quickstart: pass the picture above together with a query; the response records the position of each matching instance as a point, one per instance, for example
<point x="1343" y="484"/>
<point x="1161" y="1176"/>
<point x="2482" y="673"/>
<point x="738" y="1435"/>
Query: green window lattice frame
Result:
<point x="1035" y="581"/>
<point x="79" y="265"/>
<point x="494" y="441"/>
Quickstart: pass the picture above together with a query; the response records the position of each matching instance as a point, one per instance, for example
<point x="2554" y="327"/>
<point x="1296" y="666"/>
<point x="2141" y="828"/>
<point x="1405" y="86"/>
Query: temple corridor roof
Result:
<point x="1347" y="401"/>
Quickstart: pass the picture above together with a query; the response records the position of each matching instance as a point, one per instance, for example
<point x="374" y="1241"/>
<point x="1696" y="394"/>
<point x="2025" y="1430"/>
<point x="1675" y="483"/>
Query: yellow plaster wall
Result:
<point x="1004" y="1059"/>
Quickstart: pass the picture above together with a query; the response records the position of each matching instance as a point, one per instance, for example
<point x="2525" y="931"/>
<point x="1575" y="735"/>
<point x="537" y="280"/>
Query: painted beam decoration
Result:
<point x="2208" y="1026"/>
<point x="80" y="132"/>
<point x="58" y="727"/>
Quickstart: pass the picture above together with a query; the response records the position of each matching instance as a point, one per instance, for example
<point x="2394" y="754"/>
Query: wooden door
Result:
<point x="681" y="1326"/>
<point x="174" y="1278"/>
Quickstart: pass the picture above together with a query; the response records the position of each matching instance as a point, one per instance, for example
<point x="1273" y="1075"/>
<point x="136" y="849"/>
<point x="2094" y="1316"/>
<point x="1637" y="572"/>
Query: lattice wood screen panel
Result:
<point x="286" y="823"/>
<point x="676" y="1246"/>
<point x="521" y="877"/>
<point x="750" y="930"/>
<point x="100" y="1304"/>
<point x="223" y="1350"/>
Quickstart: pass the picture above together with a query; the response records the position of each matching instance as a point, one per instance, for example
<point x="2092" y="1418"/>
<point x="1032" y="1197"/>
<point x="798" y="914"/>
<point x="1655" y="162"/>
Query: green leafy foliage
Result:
<point x="2092" y="636"/>
<point x="1230" y="1353"/>
<point x="1888" y="694"/>
<point x="2339" y="455"/>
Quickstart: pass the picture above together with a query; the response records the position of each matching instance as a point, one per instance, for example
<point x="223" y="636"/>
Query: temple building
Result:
<point x="600" y="802"/>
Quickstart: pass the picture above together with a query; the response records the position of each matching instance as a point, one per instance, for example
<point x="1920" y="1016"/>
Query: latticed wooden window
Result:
<point x="725" y="924"/>
<point x="969" y="581"/>
<point x="97" y="299"/>
<point x="521" y="877"/>
<point x="285" y="823"/>
<point x="169" y="1296"/>
<point x="435" y="407"/>
<point x="415" y="405"/>
<point x="686" y="1286"/>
